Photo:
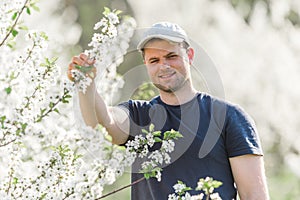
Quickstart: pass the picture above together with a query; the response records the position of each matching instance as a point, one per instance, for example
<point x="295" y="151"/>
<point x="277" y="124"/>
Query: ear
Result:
<point x="190" y="53"/>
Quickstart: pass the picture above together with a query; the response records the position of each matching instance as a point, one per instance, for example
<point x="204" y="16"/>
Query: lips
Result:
<point x="167" y="75"/>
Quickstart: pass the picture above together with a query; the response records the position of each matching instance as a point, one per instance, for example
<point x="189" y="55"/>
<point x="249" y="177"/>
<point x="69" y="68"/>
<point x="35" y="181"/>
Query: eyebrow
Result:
<point x="165" y="56"/>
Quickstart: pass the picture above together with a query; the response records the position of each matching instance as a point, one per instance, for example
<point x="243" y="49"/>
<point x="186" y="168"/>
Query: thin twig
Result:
<point x="122" y="188"/>
<point x="15" y="23"/>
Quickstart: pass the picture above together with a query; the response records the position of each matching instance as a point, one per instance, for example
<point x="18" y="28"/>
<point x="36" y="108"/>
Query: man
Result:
<point x="220" y="139"/>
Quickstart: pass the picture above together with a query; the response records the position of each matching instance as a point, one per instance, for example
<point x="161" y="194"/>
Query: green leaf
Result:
<point x="14" y="32"/>
<point x="14" y="16"/>
<point x="51" y="104"/>
<point x="43" y="196"/>
<point x="106" y="11"/>
<point x="76" y="156"/>
<point x="8" y="90"/>
<point x="15" y="180"/>
<point x="28" y="10"/>
<point x="42" y="111"/>
<point x="108" y="137"/>
<point x="24" y="125"/>
<point x="25" y="28"/>
<point x="54" y="59"/>
<point x="147" y="176"/>
<point x="56" y="110"/>
<point x="216" y="184"/>
<point x="117" y="12"/>
<point x="34" y="7"/>
<point x="64" y="101"/>
<point x="144" y="131"/>
<point x="11" y="44"/>
<point x="172" y="135"/>
<point x="84" y="69"/>
<point x="151" y="128"/>
<point x="3" y="118"/>
<point x="157" y="139"/>
<point x="156" y="133"/>
<point x="68" y="96"/>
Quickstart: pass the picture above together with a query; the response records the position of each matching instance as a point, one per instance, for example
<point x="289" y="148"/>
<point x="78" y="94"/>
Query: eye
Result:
<point x="153" y="60"/>
<point x="172" y="56"/>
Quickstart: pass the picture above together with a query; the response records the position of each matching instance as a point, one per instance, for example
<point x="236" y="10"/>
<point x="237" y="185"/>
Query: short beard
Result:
<point x="160" y="87"/>
<point x="170" y="90"/>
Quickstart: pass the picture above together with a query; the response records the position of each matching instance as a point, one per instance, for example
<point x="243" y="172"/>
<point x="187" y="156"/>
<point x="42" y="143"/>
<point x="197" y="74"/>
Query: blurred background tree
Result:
<point x="255" y="45"/>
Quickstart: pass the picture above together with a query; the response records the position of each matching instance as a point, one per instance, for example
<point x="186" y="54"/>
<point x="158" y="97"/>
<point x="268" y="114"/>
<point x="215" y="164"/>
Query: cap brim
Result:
<point x="145" y="40"/>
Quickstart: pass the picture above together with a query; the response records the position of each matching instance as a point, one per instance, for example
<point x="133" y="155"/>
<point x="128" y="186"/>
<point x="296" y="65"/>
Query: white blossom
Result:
<point x="158" y="176"/>
<point x="178" y="187"/>
<point x="197" y="197"/>
<point x="156" y="156"/>
<point x="215" y="196"/>
<point x="168" y="145"/>
<point x="172" y="197"/>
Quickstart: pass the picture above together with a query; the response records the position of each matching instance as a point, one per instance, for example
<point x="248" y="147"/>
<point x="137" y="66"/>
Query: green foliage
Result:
<point x="16" y="25"/>
<point x="172" y="134"/>
<point x="184" y="189"/>
<point x="150" y="172"/>
<point x="208" y="185"/>
<point x="8" y="90"/>
<point x="146" y="91"/>
<point x="108" y="10"/>
<point x="84" y="69"/>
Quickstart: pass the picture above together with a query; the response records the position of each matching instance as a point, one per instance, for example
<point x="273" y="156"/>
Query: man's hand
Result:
<point x="84" y="64"/>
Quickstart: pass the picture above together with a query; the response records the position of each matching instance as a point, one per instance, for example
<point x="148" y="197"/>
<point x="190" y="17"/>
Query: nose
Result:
<point x="165" y="63"/>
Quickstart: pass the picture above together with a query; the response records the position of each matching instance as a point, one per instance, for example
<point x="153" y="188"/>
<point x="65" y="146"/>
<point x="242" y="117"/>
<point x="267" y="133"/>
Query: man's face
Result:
<point x="168" y="65"/>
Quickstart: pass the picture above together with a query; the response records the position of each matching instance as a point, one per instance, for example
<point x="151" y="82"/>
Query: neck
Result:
<point x="178" y="97"/>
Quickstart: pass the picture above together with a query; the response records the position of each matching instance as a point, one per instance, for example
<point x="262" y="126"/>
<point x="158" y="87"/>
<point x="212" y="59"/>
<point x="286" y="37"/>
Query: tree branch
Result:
<point x="122" y="188"/>
<point x="15" y="23"/>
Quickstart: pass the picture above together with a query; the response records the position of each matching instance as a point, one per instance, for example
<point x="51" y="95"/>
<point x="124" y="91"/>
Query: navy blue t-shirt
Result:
<point x="213" y="131"/>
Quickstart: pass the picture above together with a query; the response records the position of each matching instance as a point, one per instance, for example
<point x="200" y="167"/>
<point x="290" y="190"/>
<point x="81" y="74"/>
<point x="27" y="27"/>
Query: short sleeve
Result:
<point x="240" y="133"/>
<point x="138" y="112"/>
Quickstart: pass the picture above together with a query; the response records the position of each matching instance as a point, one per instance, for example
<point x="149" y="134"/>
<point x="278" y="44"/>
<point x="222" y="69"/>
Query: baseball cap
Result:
<point x="164" y="30"/>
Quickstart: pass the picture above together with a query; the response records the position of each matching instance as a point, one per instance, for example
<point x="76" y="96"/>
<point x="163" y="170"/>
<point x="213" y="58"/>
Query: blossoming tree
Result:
<point x="45" y="152"/>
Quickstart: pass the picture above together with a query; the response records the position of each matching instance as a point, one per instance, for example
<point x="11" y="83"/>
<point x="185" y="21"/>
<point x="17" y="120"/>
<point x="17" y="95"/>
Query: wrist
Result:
<point x="86" y="90"/>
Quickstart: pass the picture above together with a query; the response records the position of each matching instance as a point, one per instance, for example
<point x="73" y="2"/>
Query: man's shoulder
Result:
<point x="211" y="99"/>
<point x="219" y="107"/>
<point x="137" y="103"/>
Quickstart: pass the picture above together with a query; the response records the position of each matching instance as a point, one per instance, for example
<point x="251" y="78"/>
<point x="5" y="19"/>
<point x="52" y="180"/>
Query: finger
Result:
<point x="84" y="57"/>
<point x="88" y="61"/>
<point x="69" y="75"/>
<point x="71" y="66"/>
<point x="77" y="61"/>
<point x="69" y="72"/>
<point x="91" y="61"/>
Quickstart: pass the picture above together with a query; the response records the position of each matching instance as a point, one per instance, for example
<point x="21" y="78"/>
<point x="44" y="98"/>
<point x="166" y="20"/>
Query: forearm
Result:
<point x="87" y="106"/>
<point x="249" y="175"/>
<point x="93" y="108"/>
<point x="95" y="111"/>
<point x="114" y="119"/>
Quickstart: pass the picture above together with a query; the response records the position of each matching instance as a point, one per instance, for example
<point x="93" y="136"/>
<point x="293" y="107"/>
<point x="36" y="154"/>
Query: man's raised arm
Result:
<point x="94" y="110"/>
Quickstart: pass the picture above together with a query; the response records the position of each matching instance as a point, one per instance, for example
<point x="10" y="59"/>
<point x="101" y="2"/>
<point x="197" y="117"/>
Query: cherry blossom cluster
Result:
<point x="205" y="186"/>
<point x="7" y="10"/>
<point x="108" y="46"/>
<point x="141" y="147"/>
<point x="103" y="163"/>
<point x="46" y="151"/>
<point x="32" y="165"/>
<point x="51" y="178"/>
